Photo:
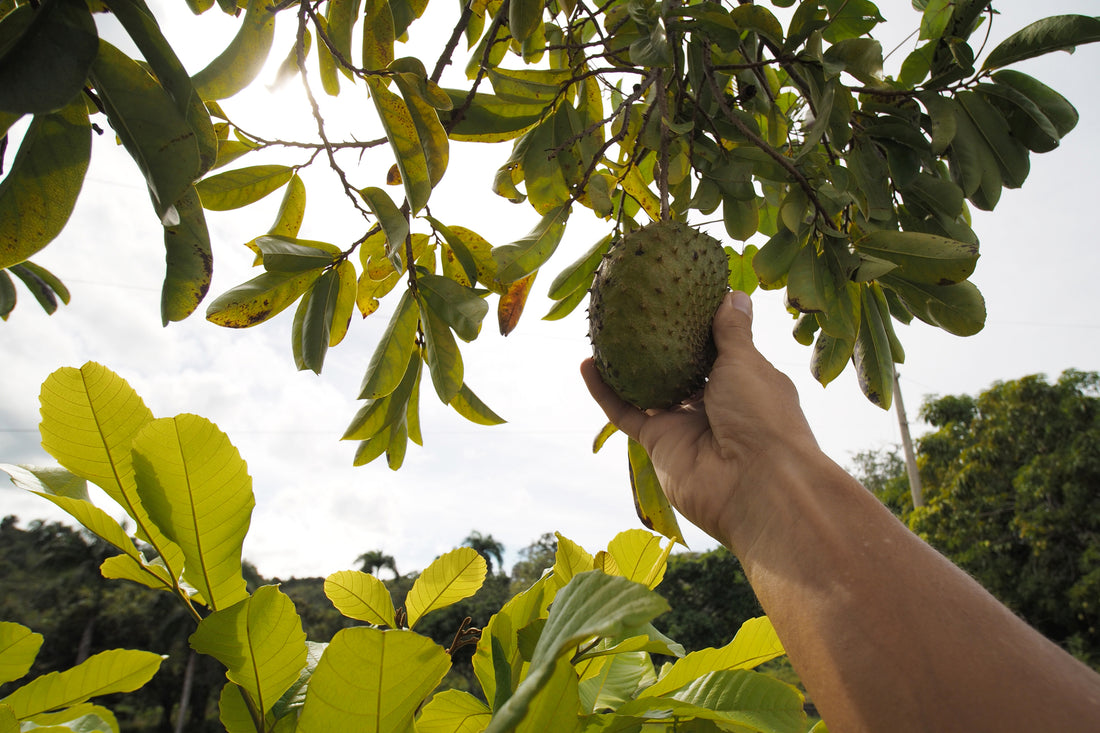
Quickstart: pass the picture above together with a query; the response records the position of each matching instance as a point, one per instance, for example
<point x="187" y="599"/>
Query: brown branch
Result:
<point x="444" y="59"/>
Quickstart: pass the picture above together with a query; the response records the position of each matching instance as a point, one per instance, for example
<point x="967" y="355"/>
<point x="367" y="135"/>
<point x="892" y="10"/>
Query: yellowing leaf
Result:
<point x="360" y="596"/>
<point x="650" y="502"/>
<point x="395" y="672"/>
<point x="197" y="489"/>
<point x="242" y="186"/>
<point x="259" y="299"/>
<point x="453" y="711"/>
<point x="41" y="187"/>
<point x="510" y="306"/>
<point x="189" y="260"/>
<point x="244" y="57"/>
<point x="451" y="577"/>
<point x="570" y="559"/>
<point x="18" y="648"/>
<point x="401" y="130"/>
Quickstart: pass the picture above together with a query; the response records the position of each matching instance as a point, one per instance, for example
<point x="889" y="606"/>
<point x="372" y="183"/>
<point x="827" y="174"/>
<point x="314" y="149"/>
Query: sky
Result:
<point x="315" y="512"/>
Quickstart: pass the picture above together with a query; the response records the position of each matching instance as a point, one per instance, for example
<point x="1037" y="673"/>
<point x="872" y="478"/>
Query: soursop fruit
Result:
<point x="650" y="313"/>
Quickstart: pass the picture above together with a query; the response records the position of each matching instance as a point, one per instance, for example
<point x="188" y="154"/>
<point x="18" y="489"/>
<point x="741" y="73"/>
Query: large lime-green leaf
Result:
<point x="448" y="579"/>
<point x="614" y="679"/>
<point x="1057" y="33"/>
<point x="639" y="556"/>
<point x="244" y="57"/>
<point x="453" y="711"/>
<point x="18" y="648"/>
<point x="592" y="604"/>
<point x="152" y="574"/>
<point x="360" y="596"/>
<point x="46" y="66"/>
<point x="189" y="261"/>
<point x="151" y="127"/>
<point x="260" y="641"/>
<point x="41" y="187"/>
<point x="395" y="672"/>
<point x="557" y="704"/>
<point x="754" y="644"/>
<point x="117" y="670"/>
<point x="923" y="258"/>
<point x="259" y="299"/>
<point x="90" y="417"/>
<point x="83" y="718"/>
<point x="197" y="489"/>
<point x="401" y="131"/>
<point x="650" y="502"/>
<point x="144" y="30"/>
<point x="570" y="559"/>
<point x="243" y="186"/>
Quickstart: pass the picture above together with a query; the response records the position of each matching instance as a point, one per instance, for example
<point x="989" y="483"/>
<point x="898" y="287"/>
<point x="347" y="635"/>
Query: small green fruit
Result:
<point x="652" y="305"/>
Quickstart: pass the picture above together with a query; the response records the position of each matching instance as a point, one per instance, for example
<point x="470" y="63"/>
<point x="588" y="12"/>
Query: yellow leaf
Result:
<point x="451" y="577"/>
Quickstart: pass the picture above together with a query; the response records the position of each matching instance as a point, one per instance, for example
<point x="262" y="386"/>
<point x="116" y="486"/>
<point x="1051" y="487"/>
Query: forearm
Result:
<point x="849" y="588"/>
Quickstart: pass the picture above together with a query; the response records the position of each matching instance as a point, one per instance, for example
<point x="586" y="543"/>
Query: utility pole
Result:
<point x="915" y="487"/>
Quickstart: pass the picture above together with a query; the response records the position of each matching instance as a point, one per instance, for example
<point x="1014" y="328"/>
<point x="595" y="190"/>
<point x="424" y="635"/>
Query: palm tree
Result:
<point x="487" y="547"/>
<point x="374" y="560"/>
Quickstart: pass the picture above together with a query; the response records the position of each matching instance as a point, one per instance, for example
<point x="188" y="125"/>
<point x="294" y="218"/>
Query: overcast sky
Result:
<point x="315" y="512"/>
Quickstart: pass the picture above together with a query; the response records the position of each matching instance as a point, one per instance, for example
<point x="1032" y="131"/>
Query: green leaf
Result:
<point x="922" y="258"/>
<point x="935" y="19"/>
<point x="417" y="92"/>
<point x="341" y="16"/>
<point x="758" y="18"/>
<point x="1057" y="33"/>
<point x="1010" y="153"/>
<point x="381" y="413"/>
<point x="958" y="309"/>
<point x="453" y="711"/>
<point x="396" y="671"/>
<point x="259" y="299"/>
<point x="151" y="127"/>
<point x="150" y="574"/>
<point x="860" y="57"/>
<point x="1026" y="121"/>
<point x="197" y="489"/>
<point x="592" y="604"/>
<point x="18" y="648"/>
<point x="401" y="131"/>
<point x="488" y="118"/>
<point x="106" y="673"/>
<point x="458" y="306"/>
<point x="872" y="355"/>
<point x="1052" y="104"/>
<point x="742" y="273"/>
<point x="38" y="287"/>
<point x="529" y="86"/>
<point x="144" y="30"/>
<point x="850" y="19"/>
<point x="547" y="187"/>
<point x="319" y="307"/>
<point x="831" y="355"/>
<point x="40" y="190"/>
<point x="650" y="502"/>
<point x="243" y="186"/>
<point x="244" y="57"/>
<point x="46" y="66"/>
<point x="467" y="404"/>
<point x="260" y="641"/>
<point x="360" y="596"/>
<point x="391" y="357"/>
<point x="524" y="16"/>
<point x="189" y="261"/>
<point x="448" y="579"/>
<point x="441" y="354"/>
<point x="7" y="295"/>
<point x="286" y="254"/>
<point x="520" y="258"/>
<point x="616" y="680"/>
<point x="395" y="224"/>
<point x="774" y="260"/>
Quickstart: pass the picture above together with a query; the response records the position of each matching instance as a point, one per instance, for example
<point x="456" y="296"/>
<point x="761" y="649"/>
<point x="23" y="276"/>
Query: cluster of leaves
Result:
<point x="1010" y="478"/>
<point x="858" y="184"/>
<point x="571" y="652"/>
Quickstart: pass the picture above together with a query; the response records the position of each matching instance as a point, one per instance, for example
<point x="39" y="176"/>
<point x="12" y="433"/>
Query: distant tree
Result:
<point x="1012" y="479"/>
<point x="710" y="598"/>
<point x="375" y="560"/>
<point x="533" y="560"/>
<point x="487" y="547"/>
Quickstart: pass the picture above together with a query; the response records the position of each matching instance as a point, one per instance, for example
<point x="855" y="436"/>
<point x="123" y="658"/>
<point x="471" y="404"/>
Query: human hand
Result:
<point x="747" y="426"/>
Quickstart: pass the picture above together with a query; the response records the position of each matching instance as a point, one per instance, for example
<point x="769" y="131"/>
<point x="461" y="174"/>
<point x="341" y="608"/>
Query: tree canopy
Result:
<point x="853" y="185"/>
<point x="1012" y="480"/>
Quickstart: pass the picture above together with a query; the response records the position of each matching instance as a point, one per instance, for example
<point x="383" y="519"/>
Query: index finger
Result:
<point x="622" y="414"/>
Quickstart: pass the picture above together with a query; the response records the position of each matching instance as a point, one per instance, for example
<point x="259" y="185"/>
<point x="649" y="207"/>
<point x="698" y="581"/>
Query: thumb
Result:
<point x="733" y="322"/>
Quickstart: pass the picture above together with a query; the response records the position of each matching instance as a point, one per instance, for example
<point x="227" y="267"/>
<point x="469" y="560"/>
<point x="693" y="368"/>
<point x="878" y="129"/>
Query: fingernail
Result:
<point x="741" y="301"/>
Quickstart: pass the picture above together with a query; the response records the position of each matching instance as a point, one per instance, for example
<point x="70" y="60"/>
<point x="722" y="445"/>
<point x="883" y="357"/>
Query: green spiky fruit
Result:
<point x="649" y="317"/>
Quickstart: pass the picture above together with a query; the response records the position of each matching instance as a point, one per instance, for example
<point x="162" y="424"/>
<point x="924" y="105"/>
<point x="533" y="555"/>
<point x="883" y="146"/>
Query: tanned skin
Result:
<point x="886" y="634"/>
